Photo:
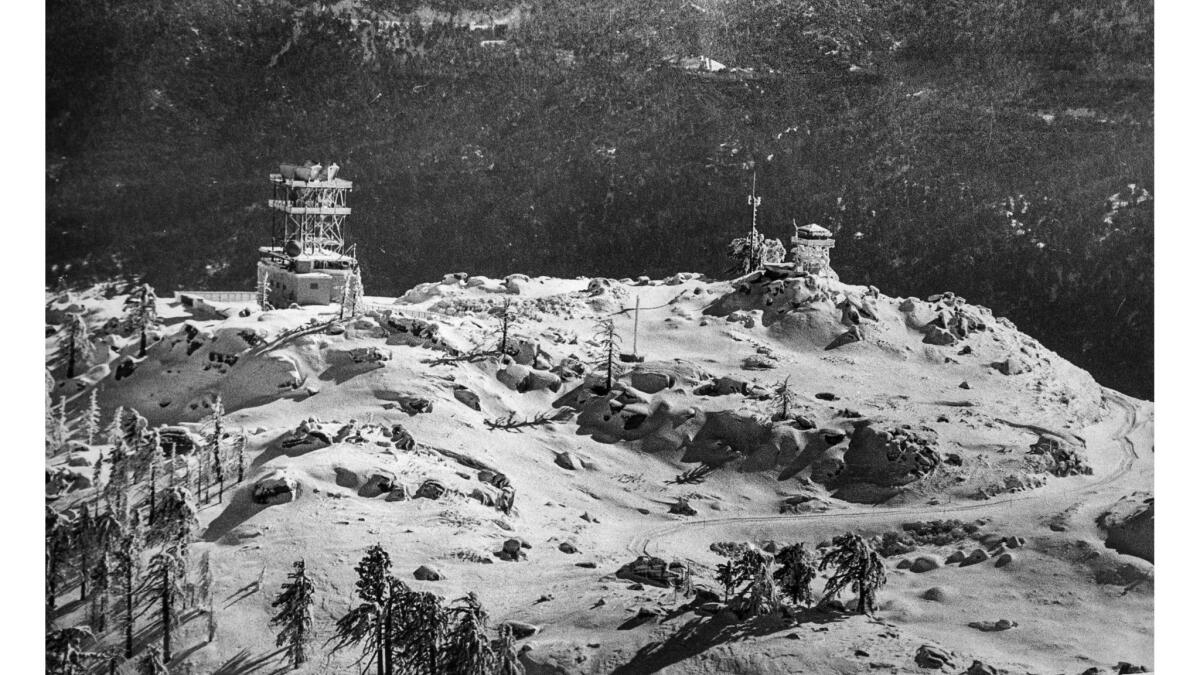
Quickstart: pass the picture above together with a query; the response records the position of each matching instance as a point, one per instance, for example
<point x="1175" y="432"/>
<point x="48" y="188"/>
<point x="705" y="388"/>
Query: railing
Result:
<point x="401" y="309"/>
<point x="220" y="296"/>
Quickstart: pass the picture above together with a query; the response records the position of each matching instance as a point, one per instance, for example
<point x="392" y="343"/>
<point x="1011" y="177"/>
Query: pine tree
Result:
<point x="508" y="661"/>
<point x="424" y="632"/>
<point x="261" y="289"/>
<point x="92" y="418"/>
<point x="166" y="573"/>
<point x="127" y="559"/>
<point x="98" y="474"/>
<point x="78" y="343"/>
<point x="112" y="433"/>
<point x="204" y="592"/>
<point x="156" y="455"/>
<point x="83" y="539"/>
<point x="57" y="433"/>
<point x="135" y="433"/>
<point x="368" y="624"/>
<point x="241" y="457"/>
<point x="57" y="543"/>
<point x="727" y="576"/>
<point x="295" y="614"/>
<point x="98" y="606"/>
<point x="352" y="295"/>
<point x="610" y="347"/>
<point x="141" y="313"/>
<point x="468" y="650"/>
<point x="65" y="653"/>
<point x="175" y="519"/>
<point x="762" y="596"/>
<point x="854" y="562"/>
<point x="797" y="569"/>
<point x="116" y="490"/>
<point x="218" y="422"/>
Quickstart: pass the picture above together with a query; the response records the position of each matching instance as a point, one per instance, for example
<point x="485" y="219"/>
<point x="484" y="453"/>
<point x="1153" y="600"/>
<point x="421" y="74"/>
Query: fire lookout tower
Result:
<point x="307" y="262"/>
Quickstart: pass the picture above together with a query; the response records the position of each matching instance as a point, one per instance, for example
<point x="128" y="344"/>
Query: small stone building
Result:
<point x="810" y="249"/>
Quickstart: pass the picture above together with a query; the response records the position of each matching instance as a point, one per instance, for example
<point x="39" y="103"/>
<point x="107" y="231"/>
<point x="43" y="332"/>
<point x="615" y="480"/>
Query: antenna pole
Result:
<point x="637" y="306"/>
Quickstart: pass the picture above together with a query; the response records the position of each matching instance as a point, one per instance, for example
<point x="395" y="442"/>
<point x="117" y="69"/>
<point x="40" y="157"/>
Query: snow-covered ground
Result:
<point x="599" y="475"/>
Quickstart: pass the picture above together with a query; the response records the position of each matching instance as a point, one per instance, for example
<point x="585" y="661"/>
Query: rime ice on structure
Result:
<point x="810" y="249"/>
<point x="307" y="262"/>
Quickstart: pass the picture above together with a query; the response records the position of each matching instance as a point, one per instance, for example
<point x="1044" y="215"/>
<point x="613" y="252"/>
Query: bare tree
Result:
<point x="610" y="346"/>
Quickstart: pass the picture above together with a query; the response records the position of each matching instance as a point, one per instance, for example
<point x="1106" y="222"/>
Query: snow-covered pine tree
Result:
<point x="141" y="313"/>
<point x="92" y="418"/>
<point x="241" y="457"/>
<point x="156" y="454"/>
<point x="295" y="617"/>
<point x="218" y="424"/>
<point x="77" y="341"/>
<point x="107" y="535"/>
<point x="116" y="490"/>
<point x="175" y="519"/>
<point x="423" y="637"/>
<point x="854" y="562"/>
<point x="762" y="595"/>
<point x="57" y="543"/>
<point x="260" y="290"/>
<point x="84" y="541"/>
<point x="508" y="660"/>
<point x="797" y="569"/>
<point x="112" y="432"/>
<point x="65" y="653"/>
<point x="468" y="650"/>
<point x="367" y="624"/>
<point x="98" y="474"/>
<point x="101" y="583"/>
<point x="127" y="558"/>
<point x="165" y="584"/>
<point x="204" y="588"/>
<point x="352" y="295"/>
<point x="57" y="431"/>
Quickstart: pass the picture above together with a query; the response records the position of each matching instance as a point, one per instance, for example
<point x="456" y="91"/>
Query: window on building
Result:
<point x="314" y="285"/>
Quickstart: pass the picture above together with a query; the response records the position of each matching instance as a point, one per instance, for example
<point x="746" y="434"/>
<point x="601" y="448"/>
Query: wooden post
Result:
<point x="637" y="306"/>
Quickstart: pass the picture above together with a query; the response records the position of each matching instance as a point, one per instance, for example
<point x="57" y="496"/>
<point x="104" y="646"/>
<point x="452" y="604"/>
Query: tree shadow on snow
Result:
<point x="243" y="663"/>
<point x="702" y="633"/>
<point x="343" y="368"/>
<point x="241" y="508"/>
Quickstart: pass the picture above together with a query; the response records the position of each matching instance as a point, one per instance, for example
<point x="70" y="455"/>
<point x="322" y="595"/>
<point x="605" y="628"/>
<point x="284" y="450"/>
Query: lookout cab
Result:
<point x="307" y="262"/>
<point x="810" y="248"/>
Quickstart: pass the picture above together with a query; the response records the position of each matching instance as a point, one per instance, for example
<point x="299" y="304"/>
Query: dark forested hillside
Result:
<point x="1002" y="149"/>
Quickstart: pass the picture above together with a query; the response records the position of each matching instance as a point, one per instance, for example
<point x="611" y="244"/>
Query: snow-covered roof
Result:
<point x="813" y="231"/>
